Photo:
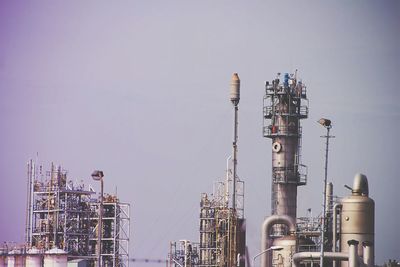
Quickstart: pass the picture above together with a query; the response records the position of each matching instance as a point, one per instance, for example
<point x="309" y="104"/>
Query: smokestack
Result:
<point x="235" y="97"/>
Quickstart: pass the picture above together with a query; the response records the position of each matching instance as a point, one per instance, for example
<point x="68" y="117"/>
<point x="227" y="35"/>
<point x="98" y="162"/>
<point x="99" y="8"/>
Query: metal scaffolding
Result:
<point x="183" y="254"/>
<point x="115" y="236"/>
<point x="63" y="214"/>
<point x="222" y="231"/>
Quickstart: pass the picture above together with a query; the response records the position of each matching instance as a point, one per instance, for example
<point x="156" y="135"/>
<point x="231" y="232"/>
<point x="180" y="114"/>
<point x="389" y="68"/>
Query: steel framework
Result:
<point x="63" y="214"/>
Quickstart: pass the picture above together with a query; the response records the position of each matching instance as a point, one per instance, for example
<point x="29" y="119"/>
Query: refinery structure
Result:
<point x="66" y="224"/>
<point x="62" y="224"/>
<point x="342" y="235"/>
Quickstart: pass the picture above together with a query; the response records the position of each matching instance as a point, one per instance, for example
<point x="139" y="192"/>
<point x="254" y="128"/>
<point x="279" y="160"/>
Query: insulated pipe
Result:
<point x="336" y="208"/>
<point x="266" y="229"/>
<point x="298" y="257"/>
<point x="334" y="230"/>
<point x="368" y="251"/>
<point x="353" y="253"/>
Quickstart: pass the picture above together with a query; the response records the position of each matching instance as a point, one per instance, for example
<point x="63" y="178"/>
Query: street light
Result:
<point x="328" y="125"/>
<point x="276" y="248"/>
<point x="98" y="176"/>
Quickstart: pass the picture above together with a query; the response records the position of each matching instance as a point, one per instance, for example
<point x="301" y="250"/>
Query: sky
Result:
<point x="140" y="90"/>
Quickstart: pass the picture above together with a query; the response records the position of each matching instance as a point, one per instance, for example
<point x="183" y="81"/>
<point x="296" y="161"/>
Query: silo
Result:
<point x="3" y="256"/>
<point x="358" y="218"/>
<point x="55" y="258"/>
<point x="33" y="258"/>
<point x="15" y="258"/>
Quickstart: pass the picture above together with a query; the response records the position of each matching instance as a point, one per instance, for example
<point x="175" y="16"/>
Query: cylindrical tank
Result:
<point x="33" y="258"/>
<point x="285" y="247"/>
<point x="235" y="89"/>
<point x="55" y="258"/>
<point x="15" y="259"/>
<point x="357" y="219"/>
<point x="3" y="255"/>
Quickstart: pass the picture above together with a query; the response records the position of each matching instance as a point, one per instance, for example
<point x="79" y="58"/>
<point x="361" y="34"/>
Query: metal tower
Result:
<point x="285" y="104"/>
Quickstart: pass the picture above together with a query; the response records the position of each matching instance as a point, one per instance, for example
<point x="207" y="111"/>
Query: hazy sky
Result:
<point x="139" y="89"/>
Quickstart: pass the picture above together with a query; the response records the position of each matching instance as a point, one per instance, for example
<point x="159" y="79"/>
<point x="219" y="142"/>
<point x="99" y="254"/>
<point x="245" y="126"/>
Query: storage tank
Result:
<point x="285" y="247"/>
<point x="15" y="258"/>
<point x="33" y="258"/>
<point x="357" y="220"/>
<point x="2" y="258"/>
<point x="55" y="258"/>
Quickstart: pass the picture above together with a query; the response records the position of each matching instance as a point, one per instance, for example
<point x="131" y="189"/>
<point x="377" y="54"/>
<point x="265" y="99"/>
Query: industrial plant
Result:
<point x="66" y="223"/>
<point x="342" y="235"/>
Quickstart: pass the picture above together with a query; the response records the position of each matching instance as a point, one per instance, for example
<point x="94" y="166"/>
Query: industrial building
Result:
<point x="345" y="230"/>
<point x="67" y="225"/>
<point x="62" y="220"/>
<point x="342" y="235"/>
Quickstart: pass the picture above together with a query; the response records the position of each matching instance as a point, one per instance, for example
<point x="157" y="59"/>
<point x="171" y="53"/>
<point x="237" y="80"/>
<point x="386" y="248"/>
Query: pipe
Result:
<point x="227" y="182"/>
<point x="353" y="253"/>
<point x="334" y="230"/>
<point x="328" y="199"/>
<point x="298" y="257"/>
<point x="368" y="252"/>
<point x="336" y="207"/>
<point x="235" y="97"/>
<point x="265" y="230"/>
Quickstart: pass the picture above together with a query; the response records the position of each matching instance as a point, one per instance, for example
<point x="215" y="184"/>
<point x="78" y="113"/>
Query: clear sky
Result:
<point x="139" y="89"/>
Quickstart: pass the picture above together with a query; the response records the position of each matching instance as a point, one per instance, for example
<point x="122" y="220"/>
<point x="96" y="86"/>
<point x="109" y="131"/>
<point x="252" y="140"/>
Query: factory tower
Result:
<point x="285" y="104"/>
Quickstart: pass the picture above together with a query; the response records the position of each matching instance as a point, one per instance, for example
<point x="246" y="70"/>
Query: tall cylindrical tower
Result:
<point x="285" y="104"/>
<point x="357" y="219"/>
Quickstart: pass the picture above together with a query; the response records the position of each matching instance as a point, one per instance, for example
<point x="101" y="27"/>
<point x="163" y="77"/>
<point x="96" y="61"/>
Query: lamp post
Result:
<point x="98" y="176"/>
<point x="262" y="252"/>
<point x="328" y="125"/>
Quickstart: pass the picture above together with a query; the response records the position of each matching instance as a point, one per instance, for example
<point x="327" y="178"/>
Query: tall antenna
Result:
<point x="235" y="97"/>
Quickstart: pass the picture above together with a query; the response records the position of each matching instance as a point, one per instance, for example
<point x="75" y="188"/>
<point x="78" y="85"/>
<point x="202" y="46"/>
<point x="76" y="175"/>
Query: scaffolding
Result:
<point x="115" y="235"/>
<point x="183" y="254"/>
<point x="222" y="230"/>
<point x="62" y="214"/>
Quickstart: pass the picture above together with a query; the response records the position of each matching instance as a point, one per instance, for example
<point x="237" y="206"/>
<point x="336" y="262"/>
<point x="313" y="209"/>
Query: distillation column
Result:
<point x="285" y="104"/>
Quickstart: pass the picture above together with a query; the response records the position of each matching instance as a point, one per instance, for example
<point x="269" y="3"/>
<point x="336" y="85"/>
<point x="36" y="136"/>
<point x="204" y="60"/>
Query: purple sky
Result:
<point x="139" y="89"/>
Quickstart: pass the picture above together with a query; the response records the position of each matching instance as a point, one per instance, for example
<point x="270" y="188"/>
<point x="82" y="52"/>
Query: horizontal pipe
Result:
<point x="298" y="257"/>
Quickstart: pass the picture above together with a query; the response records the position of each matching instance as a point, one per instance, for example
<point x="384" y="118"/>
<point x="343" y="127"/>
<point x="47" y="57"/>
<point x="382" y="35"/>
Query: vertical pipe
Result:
<point x="28" y="205"/>
<point x="234" y="155"/>
<point x="234" y="97"/>
<point x="328" y="199"/>
<point x="227" y="182"/>
<point x="100" y="224"/>
<point x="336" y="210"/>
<point x="353" y="253"/>
<point x="368" y="251"/>
<point x="29" y="217"/>
<point x="321" y="263"/>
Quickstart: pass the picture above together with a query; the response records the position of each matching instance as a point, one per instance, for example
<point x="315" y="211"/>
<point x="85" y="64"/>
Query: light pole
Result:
<point x="98" y="176"/>
<point x="262" y="252"/>
<point x="328" y="125"/>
